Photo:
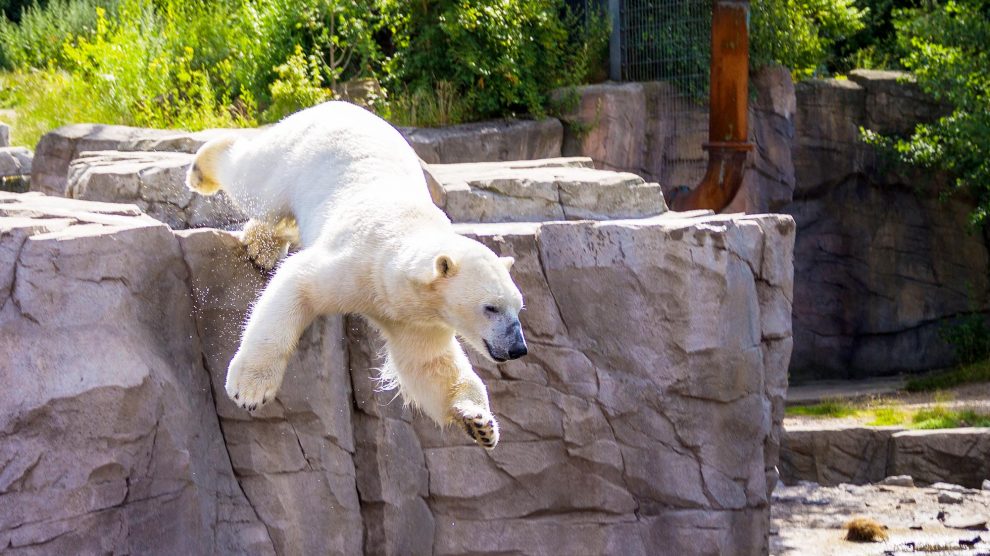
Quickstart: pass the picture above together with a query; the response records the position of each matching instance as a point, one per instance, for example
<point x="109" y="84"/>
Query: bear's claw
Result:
<point x="482" y="428"/>
<point x="252" y="387"/>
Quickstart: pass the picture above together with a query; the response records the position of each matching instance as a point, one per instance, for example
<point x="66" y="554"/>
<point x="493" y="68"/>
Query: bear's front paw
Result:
<point x="253" y="384"/>
<point x="480" y="425"/>
<point x="265" y="253"/>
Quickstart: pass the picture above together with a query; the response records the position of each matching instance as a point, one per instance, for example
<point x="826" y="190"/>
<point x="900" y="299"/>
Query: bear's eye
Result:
<point x="491" y="310"/>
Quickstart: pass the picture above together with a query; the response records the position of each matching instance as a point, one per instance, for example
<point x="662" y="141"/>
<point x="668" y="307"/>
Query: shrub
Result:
<point x="970" y="338"/>
<point x="37" y="39"/>
<point x="502" y="57"/>
<point x="122" y="74"/>
<point x="947" y="45"/>
<point x="801" y="34"/>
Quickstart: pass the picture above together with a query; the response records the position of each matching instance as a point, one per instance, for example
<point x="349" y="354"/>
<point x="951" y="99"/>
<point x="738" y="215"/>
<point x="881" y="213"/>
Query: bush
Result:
<point x="970" y="338"/>
<point x="501" y="57"/>
<point x="947" y="45"/>
<point x="801" y="34"/>
<point x="37" y="39"/>
<point x="123" y="73"/>
<point x="201" y="63"/>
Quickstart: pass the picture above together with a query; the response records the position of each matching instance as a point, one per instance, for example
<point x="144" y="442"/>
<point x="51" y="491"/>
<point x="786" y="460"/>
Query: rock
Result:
<point x="534" y="191"/>
<point x="985" y="485"/>
<point x="970" y="522"/>
<point x="15" y="168"/>
<point x="950" y="498"/>
<point x="653" y="130"/>
<point x="659" y="396"/>
<point x="112" y="444"/>
<point x="4" y="135"/>
<point x="958" y="456"/>
<point x="883" y="263"/>
<point x="949" y="487"/>
<point x="898" y="480"/>
<point x="578" y="414"/>
<point x="155" y="182"/>
<point x="830" y="455"/>
<point x="493" y="141"/>
<point x="58" y="148"/>
<point x="894" y="102"/>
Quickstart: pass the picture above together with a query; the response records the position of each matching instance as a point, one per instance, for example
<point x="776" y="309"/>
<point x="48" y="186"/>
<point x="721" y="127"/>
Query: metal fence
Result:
<point x="657" y="40"/>
<point x="669" y="41"/>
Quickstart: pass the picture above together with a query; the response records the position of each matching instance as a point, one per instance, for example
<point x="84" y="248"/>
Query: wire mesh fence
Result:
<point x="667" y="41"/>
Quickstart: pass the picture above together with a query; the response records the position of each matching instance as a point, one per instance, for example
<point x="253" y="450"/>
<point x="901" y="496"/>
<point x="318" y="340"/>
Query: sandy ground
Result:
<point x="808" y="519"/>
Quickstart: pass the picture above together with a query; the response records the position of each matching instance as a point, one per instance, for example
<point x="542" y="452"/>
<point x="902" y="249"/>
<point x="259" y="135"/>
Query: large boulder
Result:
<point x="656" y="382"/>
<point x="58" y="148"/>
<point x="493" y="141"/>
<point x="155" y="182"/>
<point x="540" y="190"/>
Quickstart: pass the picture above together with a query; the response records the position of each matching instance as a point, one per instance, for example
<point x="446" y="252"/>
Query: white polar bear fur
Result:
<point x="373" y="243"/>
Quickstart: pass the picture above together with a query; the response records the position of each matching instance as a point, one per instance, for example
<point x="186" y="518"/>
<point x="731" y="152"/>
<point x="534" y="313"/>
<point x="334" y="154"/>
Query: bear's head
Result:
<point x="477" y="298"/>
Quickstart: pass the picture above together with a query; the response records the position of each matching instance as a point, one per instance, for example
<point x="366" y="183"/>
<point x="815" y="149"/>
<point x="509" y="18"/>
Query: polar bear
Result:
<point x="346" y="185"/>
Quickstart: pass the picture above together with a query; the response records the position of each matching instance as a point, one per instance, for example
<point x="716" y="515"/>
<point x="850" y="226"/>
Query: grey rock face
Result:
<point x="493" y="141"/>
<point x="653" y="130"/>
<point x="646" y="419"/>
<point x="155" y="182"/>
<point x="831" y="455"/>
<point x="540" y="190"/>
<point x="58" y="148"/>
<point x="15" y="168"/>
<point x="110" y="440"/>
<point x="882" y="264"/>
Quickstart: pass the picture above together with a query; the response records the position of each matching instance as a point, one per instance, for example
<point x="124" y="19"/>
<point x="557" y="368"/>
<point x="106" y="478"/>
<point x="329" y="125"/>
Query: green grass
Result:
<point x="887" y="414"/>
<point x="966" y="374"/>
<point x="827" y="408"/>
<point x="888" y="417"/>
<point x="939" y="417"/>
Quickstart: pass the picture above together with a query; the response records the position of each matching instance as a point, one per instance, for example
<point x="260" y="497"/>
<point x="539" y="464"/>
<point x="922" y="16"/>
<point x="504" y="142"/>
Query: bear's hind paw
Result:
<point x="482" y="427"/>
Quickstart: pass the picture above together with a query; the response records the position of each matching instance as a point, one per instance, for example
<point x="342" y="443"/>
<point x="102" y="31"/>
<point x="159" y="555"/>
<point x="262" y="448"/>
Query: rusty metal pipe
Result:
<point x="727" y="144"/>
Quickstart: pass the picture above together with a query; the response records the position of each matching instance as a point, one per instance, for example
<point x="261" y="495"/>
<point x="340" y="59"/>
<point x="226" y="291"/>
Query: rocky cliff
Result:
<point x="646" y="419"/>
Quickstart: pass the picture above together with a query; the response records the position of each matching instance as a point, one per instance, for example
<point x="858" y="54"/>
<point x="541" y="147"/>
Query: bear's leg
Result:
<point x="276" y="322"/>
<point x="469" y="406"/>
<point x="268" y="242"/>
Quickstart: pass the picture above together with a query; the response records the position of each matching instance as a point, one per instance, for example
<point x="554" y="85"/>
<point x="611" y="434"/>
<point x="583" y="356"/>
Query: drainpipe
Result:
<point x="727" y="144"/>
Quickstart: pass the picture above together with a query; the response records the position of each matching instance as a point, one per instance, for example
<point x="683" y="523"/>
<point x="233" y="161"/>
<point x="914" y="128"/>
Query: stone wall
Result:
<point x="650" y="129"/>
<point x="836" y="454"/>
<point x="646" y="418"/>
<point x="477" y="142"/>
<point x="881" y="262"/>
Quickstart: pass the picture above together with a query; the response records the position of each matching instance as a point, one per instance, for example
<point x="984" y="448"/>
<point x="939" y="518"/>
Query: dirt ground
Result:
<point x="808" y="519"/>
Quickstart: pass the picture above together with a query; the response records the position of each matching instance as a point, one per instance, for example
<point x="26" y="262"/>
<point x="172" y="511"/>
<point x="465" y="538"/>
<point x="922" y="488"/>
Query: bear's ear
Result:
<point x="444" y="267"/>
<point x="508" y="262"/>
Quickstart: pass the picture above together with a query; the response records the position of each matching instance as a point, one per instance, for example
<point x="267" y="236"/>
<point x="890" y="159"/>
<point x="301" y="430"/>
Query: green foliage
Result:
<point x="122" y="73"/>
<point x="941" y="417"/>
<point x="875" y="46"/>
<point x="969" y="336"/>
<point x="826" y="408"/>
<point x="801" y="34"/>
<point x="965" y="374"/>
<point x="947" y="45"/>
<point x="202" y="63"/>
<point x="887" y="417"/>
<point x="299" y="84"/>
<point x="38" y="37"/>
<point x="500" y="56"/>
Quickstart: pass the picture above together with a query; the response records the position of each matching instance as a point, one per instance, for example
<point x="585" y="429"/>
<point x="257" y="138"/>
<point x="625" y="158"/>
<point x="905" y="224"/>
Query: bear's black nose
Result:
<point x="518" y="351"/>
